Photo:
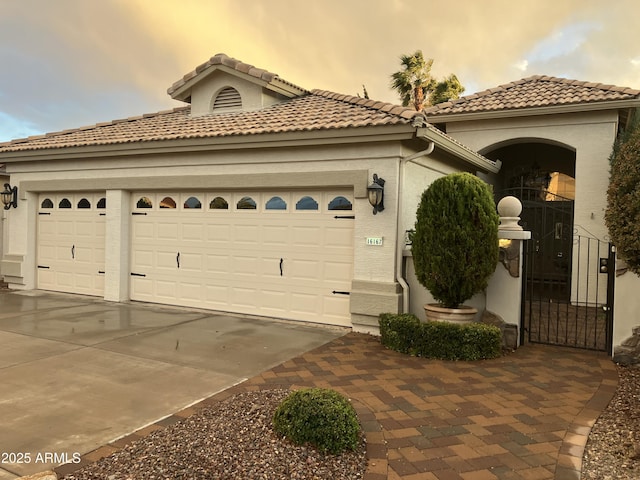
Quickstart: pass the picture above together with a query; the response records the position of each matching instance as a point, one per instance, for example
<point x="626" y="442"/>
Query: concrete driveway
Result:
<point x="78" y="372"/>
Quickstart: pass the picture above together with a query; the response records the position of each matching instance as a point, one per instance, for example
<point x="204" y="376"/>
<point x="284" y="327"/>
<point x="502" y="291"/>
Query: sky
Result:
<point x="71" y="63"/>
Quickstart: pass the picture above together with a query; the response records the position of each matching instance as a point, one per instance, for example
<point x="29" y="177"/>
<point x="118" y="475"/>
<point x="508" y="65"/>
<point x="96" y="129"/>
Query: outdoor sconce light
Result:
<point x="9" y="196"/>
<point x="376" y="194"/>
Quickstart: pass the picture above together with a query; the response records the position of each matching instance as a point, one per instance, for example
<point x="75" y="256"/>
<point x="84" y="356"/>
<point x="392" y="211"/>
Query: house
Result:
<point x="554" y="137"/>
<point x="251" y="199"/>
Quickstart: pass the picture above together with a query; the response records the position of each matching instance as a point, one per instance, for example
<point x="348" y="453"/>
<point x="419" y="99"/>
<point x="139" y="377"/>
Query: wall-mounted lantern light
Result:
<point x="9" y="196"/>
<point x="376" y="194"/>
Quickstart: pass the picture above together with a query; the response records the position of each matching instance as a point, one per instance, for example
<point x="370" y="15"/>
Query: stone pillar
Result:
<point x="504" y="293"/>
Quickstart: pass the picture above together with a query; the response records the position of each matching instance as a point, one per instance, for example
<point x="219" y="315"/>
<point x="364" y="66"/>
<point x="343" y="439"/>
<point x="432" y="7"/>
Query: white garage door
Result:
<point x="71" y="243"/>
<point x="281" y="254"/>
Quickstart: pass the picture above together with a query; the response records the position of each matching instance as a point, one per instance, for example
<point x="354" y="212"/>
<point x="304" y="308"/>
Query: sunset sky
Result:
<point x="71" y="63"/>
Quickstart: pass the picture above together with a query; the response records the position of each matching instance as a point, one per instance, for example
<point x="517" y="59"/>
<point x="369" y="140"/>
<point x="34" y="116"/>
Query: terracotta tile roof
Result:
<point x="532" y="92"/>
<point x="317" y="110"/>
<point x="223" y="59"/>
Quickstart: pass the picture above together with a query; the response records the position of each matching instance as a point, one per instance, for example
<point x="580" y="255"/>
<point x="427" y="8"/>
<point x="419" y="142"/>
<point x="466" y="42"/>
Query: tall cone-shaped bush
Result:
<point x="455" y="244"/>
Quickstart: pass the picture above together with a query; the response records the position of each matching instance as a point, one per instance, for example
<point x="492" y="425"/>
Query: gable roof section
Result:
<point x="539" y="92"/>
<point x="181" y="90"/>
<point x="315" y="111"/>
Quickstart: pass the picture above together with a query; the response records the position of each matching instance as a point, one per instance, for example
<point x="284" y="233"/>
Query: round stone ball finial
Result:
<point x="509" y="209"/>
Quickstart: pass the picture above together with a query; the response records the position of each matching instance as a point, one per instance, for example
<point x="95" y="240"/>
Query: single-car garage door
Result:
<point x="280" y="254"/>
<point x="70" y="245"/>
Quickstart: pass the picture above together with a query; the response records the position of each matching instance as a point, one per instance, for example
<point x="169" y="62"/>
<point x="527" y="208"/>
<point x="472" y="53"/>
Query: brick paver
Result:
<point x="526" y="415"/>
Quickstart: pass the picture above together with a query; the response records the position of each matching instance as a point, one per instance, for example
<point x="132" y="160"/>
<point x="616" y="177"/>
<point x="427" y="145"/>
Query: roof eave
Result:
<point x="232" y="142"/>
<point x="535" y="111"/>
<point x="447" y="144"/>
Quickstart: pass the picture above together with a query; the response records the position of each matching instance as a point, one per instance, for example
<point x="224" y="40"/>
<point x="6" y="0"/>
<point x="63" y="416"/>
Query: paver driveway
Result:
<point x="78" y="372"/>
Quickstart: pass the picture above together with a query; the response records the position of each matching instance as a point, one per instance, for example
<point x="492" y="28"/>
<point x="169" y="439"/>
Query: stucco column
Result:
<point x="504" y="292"/>
<point x="116" y="254"/>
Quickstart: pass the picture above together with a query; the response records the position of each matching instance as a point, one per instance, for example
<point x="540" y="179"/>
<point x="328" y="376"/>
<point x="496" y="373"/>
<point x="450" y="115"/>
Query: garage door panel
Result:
<point x="247" y="265"/>
<point x="218" y="264"/>
<point x="219" y="233"/>
<point x="192" y="232"/>
<point x="307" y="304"/>
<point x="275" y="300"/>
<point x="247" y="234"/>
<point x="305" y="236"/>
<point x="217" y="295"/>
<point x="191" y="291"/>
<point x="191" y="262"/>
<point x="167" y="231"/>
<point x="305" y="269"/>
<point x="275" y="235"/>
<point x="244" y="297"/>
<point x="143" y="231"/>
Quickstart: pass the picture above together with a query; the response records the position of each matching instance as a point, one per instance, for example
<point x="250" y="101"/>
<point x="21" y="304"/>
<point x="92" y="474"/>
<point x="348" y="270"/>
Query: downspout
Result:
<point x="399" y="253"/>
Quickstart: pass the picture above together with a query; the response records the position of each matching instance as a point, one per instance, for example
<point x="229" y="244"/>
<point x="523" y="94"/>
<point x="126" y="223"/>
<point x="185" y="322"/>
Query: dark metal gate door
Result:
<point x="575" y="312"/>
<point x="568" y="279"/>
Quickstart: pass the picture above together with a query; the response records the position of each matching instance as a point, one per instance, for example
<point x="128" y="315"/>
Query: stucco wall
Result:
<point x="591" y="135"/>
<point x="626" y="308"/>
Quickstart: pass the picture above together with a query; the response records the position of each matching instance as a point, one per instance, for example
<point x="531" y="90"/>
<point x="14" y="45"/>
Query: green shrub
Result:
<point x="405" y="333"/>
<point x="398" y="332"/>
<point x="320" y="417"/>
<point x="455" y="244"/>
<point x="622" y="215"/>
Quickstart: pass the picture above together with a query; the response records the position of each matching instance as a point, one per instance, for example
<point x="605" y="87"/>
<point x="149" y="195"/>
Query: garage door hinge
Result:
<point x="102" y="214"/>
<point x="345" y="216"/>
<point x="101" y="272"/>
<point x="138" y="213"/>
<point x="42" y="266"/>
<point x="138" y="274"/>
<point x="44" y="213"/>
<point x="337" y="292"/>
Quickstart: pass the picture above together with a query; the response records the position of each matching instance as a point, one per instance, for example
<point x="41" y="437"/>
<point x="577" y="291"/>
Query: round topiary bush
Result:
<point x="455" y="244"/>
<point x="320" y="417"/>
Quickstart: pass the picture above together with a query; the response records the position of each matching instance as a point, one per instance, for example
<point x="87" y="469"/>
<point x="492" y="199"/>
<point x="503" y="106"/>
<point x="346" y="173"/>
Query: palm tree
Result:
<point x="414" y="82"/>
<point x="416" y="85"/>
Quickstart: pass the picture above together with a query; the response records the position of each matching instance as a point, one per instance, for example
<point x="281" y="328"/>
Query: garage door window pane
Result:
<point x="276" y="203"/>
<point x="64" y="203"/>
<point x="167" y="202"/>
<point x="192" y="202"/>
<point x="219" y="203"/>
<point x="144" y="202"/>
<point x="246" y="203"/>
<point x="340" y="203"/>
<point x="47" y="203"/>
<point x="84" y="203"/>
<point x="307" y="203"/>
<point x="102" y="203"/>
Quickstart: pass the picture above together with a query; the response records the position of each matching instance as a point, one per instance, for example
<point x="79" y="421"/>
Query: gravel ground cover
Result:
<point x="613" y="448"/>
<point x="232" y="439"/>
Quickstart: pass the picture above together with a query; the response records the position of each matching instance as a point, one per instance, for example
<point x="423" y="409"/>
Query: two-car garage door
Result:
<point x="280" y="254"/>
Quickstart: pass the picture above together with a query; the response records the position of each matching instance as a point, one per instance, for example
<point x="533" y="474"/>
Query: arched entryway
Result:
<point x="562" y="301"/>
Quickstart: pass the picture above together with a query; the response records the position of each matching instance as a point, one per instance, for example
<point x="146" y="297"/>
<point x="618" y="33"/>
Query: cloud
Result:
<point x="103" y="60"/>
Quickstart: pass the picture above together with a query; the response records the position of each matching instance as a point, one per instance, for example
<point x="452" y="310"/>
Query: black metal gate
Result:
<point x="568" y="279"/>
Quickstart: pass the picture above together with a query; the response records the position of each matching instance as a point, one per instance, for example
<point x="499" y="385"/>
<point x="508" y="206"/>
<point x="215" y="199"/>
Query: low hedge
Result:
<point x="405" y="333"/>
